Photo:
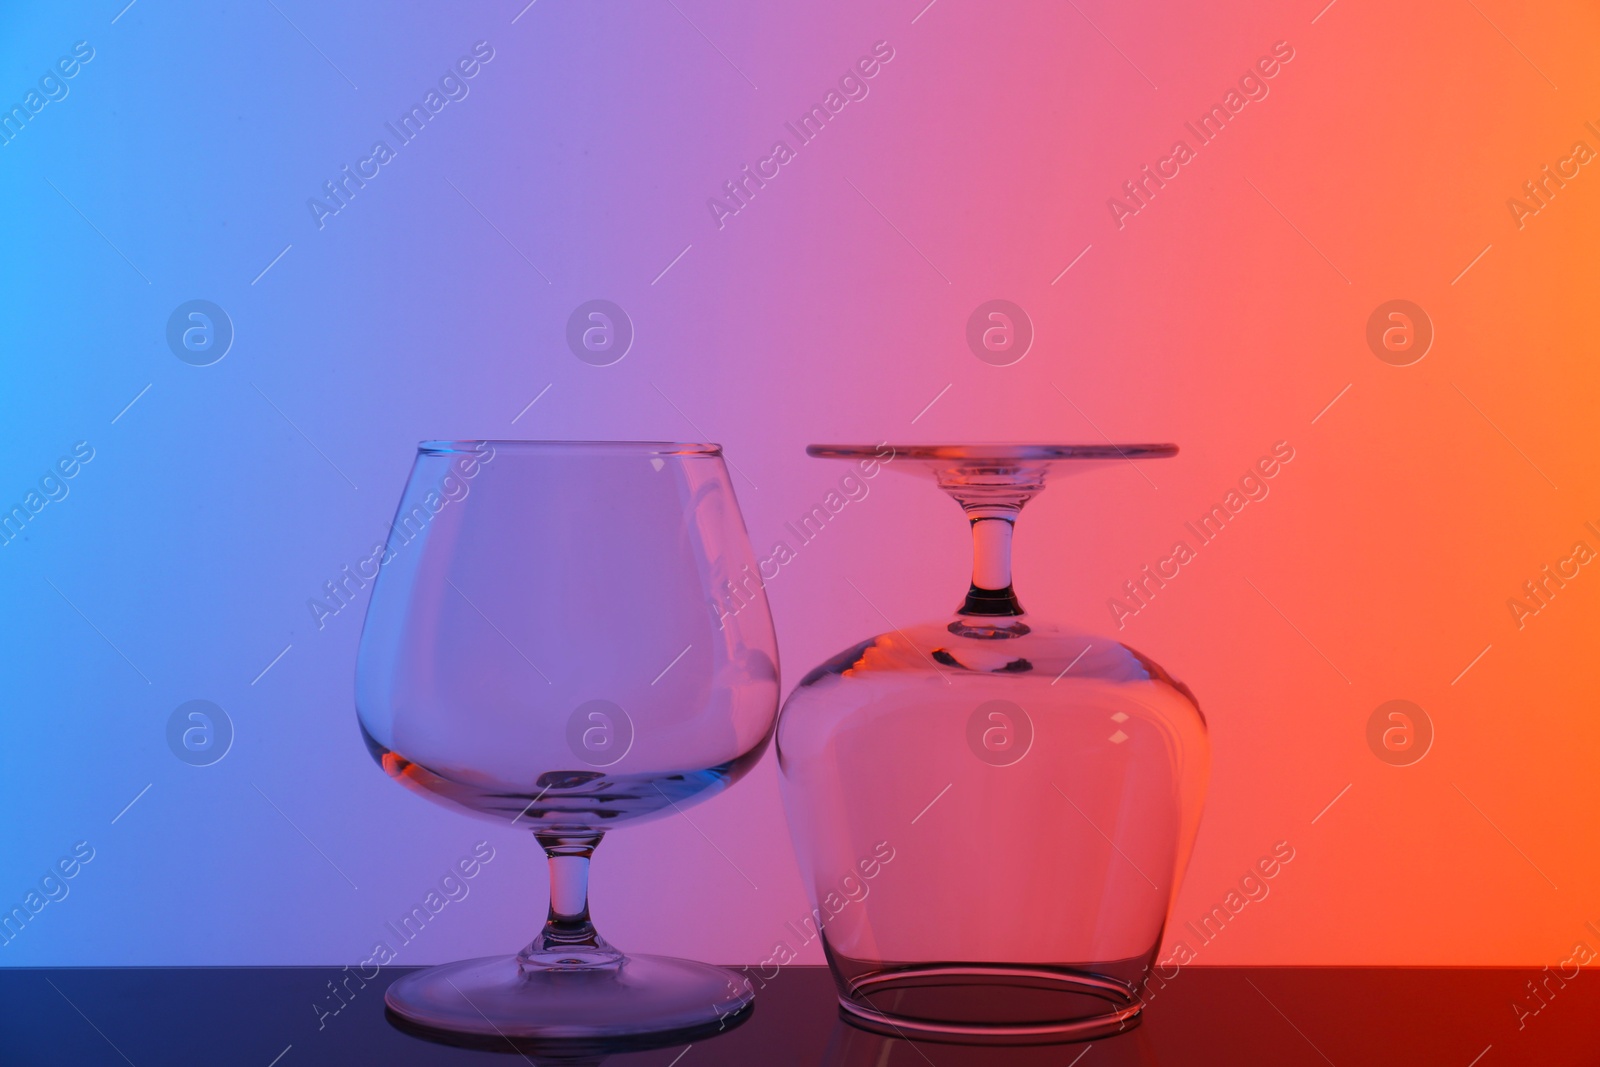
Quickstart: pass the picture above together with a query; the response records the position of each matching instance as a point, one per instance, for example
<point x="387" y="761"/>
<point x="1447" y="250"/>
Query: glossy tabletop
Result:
<point x="279" y="1017"/>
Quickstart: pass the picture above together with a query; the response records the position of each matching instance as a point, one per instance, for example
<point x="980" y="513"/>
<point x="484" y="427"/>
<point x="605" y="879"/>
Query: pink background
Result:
<point x="833" y="307"/>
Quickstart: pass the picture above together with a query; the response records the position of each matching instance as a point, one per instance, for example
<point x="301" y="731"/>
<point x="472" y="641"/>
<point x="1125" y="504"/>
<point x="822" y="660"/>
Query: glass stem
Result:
<point x="991" y="593"/>
<point x="569" y="939"/>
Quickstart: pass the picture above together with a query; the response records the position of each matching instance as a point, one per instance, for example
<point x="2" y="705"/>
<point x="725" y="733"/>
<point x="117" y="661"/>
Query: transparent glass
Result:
<point x="992" y="812"/>
<point x="539" y="651"/>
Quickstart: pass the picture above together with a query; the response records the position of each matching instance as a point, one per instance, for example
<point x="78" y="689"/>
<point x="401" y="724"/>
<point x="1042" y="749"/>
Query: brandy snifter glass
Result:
<point x="1035" y="788"/>
<point x="538" y="652"/>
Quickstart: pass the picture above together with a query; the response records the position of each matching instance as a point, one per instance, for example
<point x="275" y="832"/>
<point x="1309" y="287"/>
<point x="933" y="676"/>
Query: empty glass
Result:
<point x="540" y="651"/>
<point x="992" y="812"/>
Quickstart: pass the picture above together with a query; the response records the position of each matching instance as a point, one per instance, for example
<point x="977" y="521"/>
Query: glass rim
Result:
<point x="640" y="448"/>
<point x="995" y="451"/>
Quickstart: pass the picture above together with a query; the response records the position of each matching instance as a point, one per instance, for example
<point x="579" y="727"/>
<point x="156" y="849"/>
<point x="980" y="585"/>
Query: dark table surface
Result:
<point x="265" y="1017"/>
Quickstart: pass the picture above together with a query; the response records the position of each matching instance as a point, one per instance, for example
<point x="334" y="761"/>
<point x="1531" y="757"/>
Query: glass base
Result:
<point x="645" y="1002"/>
<point x="990" y="1004"/>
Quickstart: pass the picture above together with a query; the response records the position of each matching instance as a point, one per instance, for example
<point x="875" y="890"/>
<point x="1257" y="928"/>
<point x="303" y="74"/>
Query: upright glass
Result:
<point x="539" y="651"/>
<point x="992" y="811"/>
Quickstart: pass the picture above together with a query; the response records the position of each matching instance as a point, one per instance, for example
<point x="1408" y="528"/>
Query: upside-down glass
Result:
<point x="992" y="812"/>
<point x="539" y="650"/>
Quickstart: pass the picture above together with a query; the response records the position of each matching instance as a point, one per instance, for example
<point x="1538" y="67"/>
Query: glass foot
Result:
<point x="643" y="1002"/>
<point x="989" y="1004"/>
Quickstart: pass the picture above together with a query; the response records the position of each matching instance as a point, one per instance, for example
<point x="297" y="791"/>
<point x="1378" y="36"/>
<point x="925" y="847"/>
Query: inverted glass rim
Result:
<point x="639" y="448"/>
<point x="993" y="451"/>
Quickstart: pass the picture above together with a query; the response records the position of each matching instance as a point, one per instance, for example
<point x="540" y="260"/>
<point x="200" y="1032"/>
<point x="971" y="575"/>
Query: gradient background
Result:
<point x="1226" y="316"/>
